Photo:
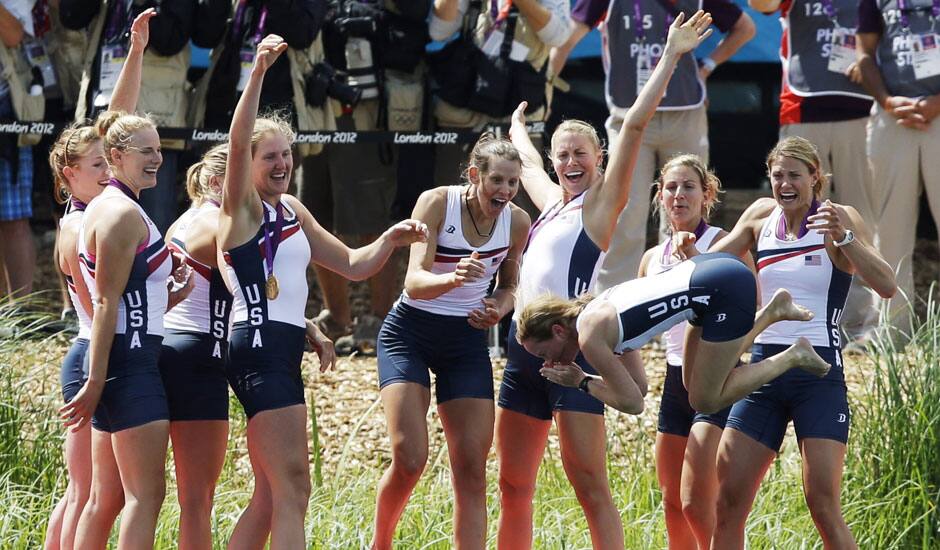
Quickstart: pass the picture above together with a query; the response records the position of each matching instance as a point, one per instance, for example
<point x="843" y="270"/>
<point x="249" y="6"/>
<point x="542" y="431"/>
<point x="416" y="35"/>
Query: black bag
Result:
<point x="402" y="43"/>
<point x="453" y="69"/>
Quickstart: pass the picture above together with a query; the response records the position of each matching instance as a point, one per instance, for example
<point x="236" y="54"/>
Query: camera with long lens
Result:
<point x="357" y="23"/>
<point x="324" y="82"/>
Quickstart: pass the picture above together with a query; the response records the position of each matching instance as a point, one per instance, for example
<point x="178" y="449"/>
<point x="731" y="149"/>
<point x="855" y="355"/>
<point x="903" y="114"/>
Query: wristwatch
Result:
<point x="583" y="385"/>
<point x="849" y="237"/>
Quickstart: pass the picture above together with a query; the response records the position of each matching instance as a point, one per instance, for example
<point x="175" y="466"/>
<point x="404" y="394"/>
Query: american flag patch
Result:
<point x="813" y="259"/>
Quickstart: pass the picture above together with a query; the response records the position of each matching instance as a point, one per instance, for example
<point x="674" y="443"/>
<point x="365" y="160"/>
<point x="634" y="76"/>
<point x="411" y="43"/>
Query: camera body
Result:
<point x="324" y="82"/>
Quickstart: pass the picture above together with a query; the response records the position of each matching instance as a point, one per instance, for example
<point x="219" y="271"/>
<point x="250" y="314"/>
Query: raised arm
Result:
<point x="540" y="187"/>
<point x="127" y="88"/>
<point x="241" y="205"/>
<point x="607" y="199"/>
<point x="355" y="264"/>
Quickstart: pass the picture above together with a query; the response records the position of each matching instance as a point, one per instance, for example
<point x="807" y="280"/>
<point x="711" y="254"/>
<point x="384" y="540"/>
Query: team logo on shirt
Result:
<point x="450" y="229"/>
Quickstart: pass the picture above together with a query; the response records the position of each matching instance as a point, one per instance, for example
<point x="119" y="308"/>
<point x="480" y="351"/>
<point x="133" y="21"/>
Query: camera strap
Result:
<point x="511" y="19"/>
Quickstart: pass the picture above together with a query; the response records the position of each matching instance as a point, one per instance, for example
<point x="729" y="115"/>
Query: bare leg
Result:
<point x="823" y="460"/>
<point x="140" y="454"/>
<point x="406" y="407"/>
<point x="78" y="462"/>
<point x="254" y="526"/>
<point x="670" y="452"/>
<point x="198" y="453"/>
<point x="19" y="255"/>
<point x="278" y="440"/>
<point x="700" y="481"/>
<point x="742" y="464"/>
<point x="468" y="426"/>
<point x="106" y="498"/>
<point x="520" y="444"/>
<point x="584" y="455"/>
<point x="382" y="288"/>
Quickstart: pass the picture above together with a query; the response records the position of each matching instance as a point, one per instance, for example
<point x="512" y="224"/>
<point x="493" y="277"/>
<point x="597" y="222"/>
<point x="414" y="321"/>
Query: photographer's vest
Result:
<point x="906" y="21"/>
<point x="164" y="93"/>
<point x="536" y="55"/>
<point x="636" y="33"/>
<point x="67" y="50"/>
<point x="309" y="119"/>
<point x="18" y="74"/>
<point x="818" y="34"/>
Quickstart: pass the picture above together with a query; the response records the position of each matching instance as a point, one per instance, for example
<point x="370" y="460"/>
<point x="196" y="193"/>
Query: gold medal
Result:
<point x="271" y="288"/>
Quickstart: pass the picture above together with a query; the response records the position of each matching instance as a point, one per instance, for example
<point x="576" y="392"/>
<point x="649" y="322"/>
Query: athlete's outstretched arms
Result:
<point x="127" y="88"/>
<point x="606" y="200"/>
<point x="540" y="187"/>
<point x="241" y="205"/>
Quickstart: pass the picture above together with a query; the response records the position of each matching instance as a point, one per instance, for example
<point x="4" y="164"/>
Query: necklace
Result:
<point x="466" y="200"/>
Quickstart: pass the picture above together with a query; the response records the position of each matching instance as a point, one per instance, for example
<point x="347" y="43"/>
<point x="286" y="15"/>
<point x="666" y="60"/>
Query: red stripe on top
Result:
<point x="157" y="260"/>
<point x="774" y="259"/>
<point x="445" y="259"/>
<point x="284" y="235"/>
<point x="199" y="267"/>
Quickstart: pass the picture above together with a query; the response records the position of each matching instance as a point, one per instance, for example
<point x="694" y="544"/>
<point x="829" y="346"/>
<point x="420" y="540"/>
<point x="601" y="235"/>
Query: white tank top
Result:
<point x="451" y="247"/>
<point x="642" y="305"/>
<point x="84" y="317"/>
<point x="560" y="258"/>
<point x="803" y="267"/>
<point x="660" y="262"/>
<point x="247" y="274"/>
<point x="206" y="310"/>
<point x="144" y="300"/>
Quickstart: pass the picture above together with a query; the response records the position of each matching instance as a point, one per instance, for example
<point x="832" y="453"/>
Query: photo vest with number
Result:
<point x="623" y="45"/>
<point x="809" y="35"/>
<point x="895" y="57"/>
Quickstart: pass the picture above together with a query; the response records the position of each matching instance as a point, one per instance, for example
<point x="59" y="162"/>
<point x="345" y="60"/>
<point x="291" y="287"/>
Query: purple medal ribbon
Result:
<point x="699" y="231"/>
<point x="272" y="237"/>
<point x="76" y="205"/>
<point x="213" y="202"/>
<point x="114" y="182"/>
<point x="782" y="223"/>
<point x="239" y="19"/>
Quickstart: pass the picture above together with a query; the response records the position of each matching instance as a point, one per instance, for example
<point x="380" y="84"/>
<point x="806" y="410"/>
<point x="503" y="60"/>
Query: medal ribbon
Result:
<point x="114" y="182"/>
<point x="75" y="205"/>
<point x="272" y="237"/>
<point x="782" y="223"/>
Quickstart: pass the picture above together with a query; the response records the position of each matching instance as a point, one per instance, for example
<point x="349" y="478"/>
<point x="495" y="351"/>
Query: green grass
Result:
<point x="890" y="496"/>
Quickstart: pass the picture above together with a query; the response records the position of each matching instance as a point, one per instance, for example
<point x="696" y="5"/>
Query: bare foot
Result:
<point x="802" y="355"/>
<point x="782" y="308"/>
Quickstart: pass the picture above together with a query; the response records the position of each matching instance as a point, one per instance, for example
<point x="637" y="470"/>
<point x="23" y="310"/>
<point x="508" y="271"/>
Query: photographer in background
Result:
<point x="376" y="48"/>
<point x="166" y="93"/>
<point x="498" y="61"/>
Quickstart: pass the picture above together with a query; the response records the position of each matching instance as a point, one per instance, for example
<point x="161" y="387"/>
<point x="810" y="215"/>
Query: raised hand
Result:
<point x="407" y="232"/>
<point x="140" y="29"/>
<point x="469" y="269"/>
<point x="685" y="36"/>
<point x="486" y="317"/>
<point x="828" y="221"/>
<point x="517" y="122"/>
<point x="269" y="50"/>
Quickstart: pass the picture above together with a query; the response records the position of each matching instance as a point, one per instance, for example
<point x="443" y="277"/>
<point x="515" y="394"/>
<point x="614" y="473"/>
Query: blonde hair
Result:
<point x="541" y="314"/>
<point x="711" y="185"/>
<point x="578" y="127"/>
<point x="199" y="174"/>
<point x="487" y="147"/>
<point x="117" y="128"/>
<point x="272" y="123"/>
<point x="69" y="148"/>
<point x="801" y="149"/>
